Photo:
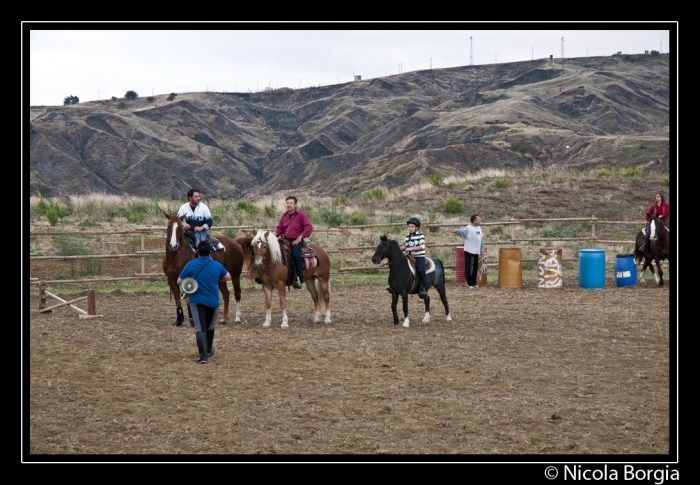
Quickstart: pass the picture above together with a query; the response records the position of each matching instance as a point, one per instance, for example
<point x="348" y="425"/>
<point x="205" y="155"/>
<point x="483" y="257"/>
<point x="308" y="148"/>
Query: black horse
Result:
<point x="657" y="250"/>
<point x="401" y="280"/>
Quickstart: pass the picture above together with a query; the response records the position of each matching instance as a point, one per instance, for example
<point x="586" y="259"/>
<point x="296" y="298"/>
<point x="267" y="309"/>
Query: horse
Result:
<point x="264" y="259"/>
<point x="401" y="280"/>
<point x="178" y="254"/>
<point x="658" y="250"/>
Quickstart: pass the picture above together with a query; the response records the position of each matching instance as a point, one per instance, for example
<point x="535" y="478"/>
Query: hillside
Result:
<point x="348" y="138"/>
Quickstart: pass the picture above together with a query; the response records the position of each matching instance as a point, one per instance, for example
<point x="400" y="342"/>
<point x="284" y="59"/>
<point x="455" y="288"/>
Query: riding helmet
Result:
<point x="414" y="220"/>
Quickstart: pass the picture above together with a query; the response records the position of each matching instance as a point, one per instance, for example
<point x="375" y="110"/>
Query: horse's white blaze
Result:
<point x="173" y="236"/>
<point x="652" y="230"/>
<point x="449" y="317"/>
<point x="405" y="322"/>
<point x="426" y="318"/>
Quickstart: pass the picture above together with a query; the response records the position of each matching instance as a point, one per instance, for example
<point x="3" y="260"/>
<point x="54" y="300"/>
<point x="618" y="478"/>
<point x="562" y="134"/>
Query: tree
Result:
<point x="68" y="100"/>
<point x="131" y="95"/>
<point x="171" y="97"/>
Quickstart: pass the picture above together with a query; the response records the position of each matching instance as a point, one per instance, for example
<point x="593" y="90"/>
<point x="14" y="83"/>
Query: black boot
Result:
<point x="210" y="341"/>
<point x="189" y="312"/>
<point x="180" y="318"/>
<point x="202" y="347"/>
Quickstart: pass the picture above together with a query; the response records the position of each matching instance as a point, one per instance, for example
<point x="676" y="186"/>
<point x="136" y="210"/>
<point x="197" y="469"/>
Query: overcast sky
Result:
<point x="99" y="64"/>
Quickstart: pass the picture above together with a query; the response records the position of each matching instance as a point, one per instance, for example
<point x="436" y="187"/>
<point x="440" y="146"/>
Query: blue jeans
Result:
<point x="298" y="261"/>
<point x="420" y="269"/>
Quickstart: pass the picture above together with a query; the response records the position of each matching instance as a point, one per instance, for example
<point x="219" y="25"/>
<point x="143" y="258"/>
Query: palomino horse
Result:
<point x="401" y="279"/>
<point x="658" y="250"/>
<point x="178" y="254"/>
<point x="263" y="255"/>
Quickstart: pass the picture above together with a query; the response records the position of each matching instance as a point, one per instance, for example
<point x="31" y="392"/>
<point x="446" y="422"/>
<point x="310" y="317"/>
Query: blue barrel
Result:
<point x="591" y="269"/>
<point x="625" y="270"/>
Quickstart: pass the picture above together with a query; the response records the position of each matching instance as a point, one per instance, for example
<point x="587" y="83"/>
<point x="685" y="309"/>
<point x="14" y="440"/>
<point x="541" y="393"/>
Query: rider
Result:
<point x="661" y="209"/>
<point x="414" y="243"/>
<point x="294" y="226"/>
<point x="198" y="220"/>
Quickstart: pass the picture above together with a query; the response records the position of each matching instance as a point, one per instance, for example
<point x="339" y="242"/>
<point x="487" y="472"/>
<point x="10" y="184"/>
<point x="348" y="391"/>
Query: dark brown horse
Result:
<point x="263" y="256"/>
<point x="658" y="249"/>
<point x="178" y="254"/>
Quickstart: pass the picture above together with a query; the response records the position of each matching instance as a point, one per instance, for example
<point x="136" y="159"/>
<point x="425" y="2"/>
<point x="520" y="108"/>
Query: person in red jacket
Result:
<point x="294" y="226"/>
<point x="661" y="209"/>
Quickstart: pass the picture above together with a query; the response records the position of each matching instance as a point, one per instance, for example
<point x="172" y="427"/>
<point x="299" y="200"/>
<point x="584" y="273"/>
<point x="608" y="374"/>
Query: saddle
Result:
<point x="429" y="268"/>
<point x="308" y="254"/>
<point x="213" y="242"/>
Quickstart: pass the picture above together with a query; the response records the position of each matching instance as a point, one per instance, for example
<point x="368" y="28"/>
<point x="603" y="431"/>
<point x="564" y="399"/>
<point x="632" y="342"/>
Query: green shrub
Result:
<point x="171" y="97"/>
<point x="150" y="99"/>
<point x="90" y="267"/>
<point x="270" y="210"/>
<point x="558" y="233"/>
<point x="433" y="217"/>
<point x="376" y="193"/>
<point x="121" y="105"/>
<point x="452" y="206"/>
<point x="635" y="180"/>
<point x="357" y="219"/>
<point x="247" y="207"/>
<point x="114" y="98"/>
<point x="436" y="179"/>
<point x="41" y="207"/>
<point x="332" y="217"/>
<point x="340" y="199"/>
<point x="70" y="246"/>
<point x="502" y="183"/>
<point x="130" y="95"/>
<point x="665" y="179"/>
<point x="496" y="230"/>
<point x="490" y="188"/>
<point x="55" y="212"/>
<point x="631" y="172"/>
<point x="603" y="172"/>
<point x="452" y="185"/>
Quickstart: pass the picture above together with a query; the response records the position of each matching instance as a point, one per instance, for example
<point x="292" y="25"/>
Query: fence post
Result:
<point x="512" y="229"/>
<point x="91" y="302"/>
<point x="593" y="219"/>
<point x="342" y="257"/>
<point x="42" y="295"/>
<point x="143" y="263"/>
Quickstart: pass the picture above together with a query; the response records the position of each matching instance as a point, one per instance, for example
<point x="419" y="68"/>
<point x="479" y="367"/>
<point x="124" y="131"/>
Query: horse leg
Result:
<point x="268" y="306"/>
<point x="645" y="265"/>
<point x="311" y="286"/>
<point x="426" y="300"/>
<point x="175" y="289"/>
<point x="443" y="299"/>
<point x="237" y="295"/>
<point x="394" y="301"/>
<point x="226" y="294"/>
<point x="325" y="286"/>
<point x="283" y="303"/>
<point x="404" y="296"/>
<point x="660" y="280"/>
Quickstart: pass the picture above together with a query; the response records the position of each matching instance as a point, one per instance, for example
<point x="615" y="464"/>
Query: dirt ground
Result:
<point x="518" y="371"/>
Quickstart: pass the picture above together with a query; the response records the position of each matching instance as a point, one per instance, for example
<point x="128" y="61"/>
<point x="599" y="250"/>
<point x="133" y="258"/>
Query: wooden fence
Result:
<point x="342" y="233"/>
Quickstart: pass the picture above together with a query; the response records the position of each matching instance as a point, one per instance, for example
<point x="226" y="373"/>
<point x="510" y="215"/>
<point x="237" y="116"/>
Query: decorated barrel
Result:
<point x="549" y="274"/>
<point x="481" y="271"/>
<point x="625" y="270"/>
<point x="510" y="268"/>
<point x="591" y="269"/>
<point x="459" y="266"/>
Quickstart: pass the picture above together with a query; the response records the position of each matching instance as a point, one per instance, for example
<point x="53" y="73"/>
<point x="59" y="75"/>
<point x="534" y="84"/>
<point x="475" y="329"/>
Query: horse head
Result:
<point x="263" y="244"/>
<point x="175" y="231"/>
<point x="382" y="250"/>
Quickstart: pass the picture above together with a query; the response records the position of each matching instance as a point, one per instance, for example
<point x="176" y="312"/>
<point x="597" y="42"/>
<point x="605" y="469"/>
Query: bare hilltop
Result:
<point x="584" y="113"/>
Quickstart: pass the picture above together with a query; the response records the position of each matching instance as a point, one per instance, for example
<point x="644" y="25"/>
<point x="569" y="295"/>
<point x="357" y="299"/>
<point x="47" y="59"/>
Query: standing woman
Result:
<point x="661" y="209"/>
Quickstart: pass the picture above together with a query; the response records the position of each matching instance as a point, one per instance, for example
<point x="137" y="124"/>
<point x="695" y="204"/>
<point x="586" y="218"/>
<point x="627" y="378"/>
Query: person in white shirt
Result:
<point x="473" y="248"/>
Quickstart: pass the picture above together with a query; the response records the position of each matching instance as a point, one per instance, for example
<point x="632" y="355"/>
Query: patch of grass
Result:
<point x="436" y="179"/>
<point x="357" y="219"/>
<point x="340" y="199"/>
<point x="433" y="217"/>
<point x="247" y="207"/>
<point x="665" y="179"/>
<point x="270" y="210"/>
<point x="603" y="172"/>
<point x="502" y="183"/>
<point x="490" y="188"/>
<point x="452" y="206"/>
<point x="452" y="185"/>
<point x="376" y="193"/>
<point x="70" y="246"/>
<point x="631" y="172"/>
<point x="332" y="217"/>
<point x="528" y="265"/>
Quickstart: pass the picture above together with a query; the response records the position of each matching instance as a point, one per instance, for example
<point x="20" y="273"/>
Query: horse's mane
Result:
<point x="273" y="245"/>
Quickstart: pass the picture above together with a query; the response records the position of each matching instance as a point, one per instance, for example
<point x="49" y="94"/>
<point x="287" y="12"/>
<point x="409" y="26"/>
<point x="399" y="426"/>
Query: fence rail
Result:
<point x="342" y="232"/>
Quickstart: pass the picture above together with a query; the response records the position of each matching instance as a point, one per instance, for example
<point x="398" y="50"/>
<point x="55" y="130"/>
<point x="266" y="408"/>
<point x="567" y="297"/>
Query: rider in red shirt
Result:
<point x="294" y="226"/>
<point x="661" y="209"/>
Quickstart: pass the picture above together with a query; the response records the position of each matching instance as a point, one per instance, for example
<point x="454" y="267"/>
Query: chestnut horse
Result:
<point x="178" y="254"/>
<point x="263" y="256"/>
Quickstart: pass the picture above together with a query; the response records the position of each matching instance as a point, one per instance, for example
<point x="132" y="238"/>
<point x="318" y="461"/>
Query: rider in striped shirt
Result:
<point x="414" y="243"/>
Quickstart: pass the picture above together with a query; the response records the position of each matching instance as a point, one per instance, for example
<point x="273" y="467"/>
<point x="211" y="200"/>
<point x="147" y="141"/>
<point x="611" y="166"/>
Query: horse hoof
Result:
<point x="266" y="325"/>
<point x="327" y="320"/>
<point x="405" y="325"/>
<point x="449" y="318"/>
<point x="284" y="325"/>
<point x="178" y="324"/>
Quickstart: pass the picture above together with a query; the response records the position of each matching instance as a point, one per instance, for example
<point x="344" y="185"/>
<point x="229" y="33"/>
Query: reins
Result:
<point x="385" y="255"/>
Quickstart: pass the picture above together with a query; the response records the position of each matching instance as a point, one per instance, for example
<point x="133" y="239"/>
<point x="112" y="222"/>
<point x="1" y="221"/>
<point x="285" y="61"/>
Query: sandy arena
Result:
<point x="518" y="371"/>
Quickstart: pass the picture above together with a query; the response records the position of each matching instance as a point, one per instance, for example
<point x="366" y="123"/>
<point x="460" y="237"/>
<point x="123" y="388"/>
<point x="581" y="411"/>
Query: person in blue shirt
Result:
<point x="204" y="302"/>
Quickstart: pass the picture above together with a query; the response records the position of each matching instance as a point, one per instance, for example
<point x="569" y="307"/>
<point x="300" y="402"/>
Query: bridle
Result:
<point x="175" y="227"/>
<point x="385" y="254"/>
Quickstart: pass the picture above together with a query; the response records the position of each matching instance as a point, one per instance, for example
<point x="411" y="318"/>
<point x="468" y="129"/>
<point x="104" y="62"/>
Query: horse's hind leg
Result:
<point x="326" y="287"/>
<point x="660" y="279"/>
<point x="404" y="297"/>
<point x="426" y="300"/>
<point x="311" y="286"/>
<point x="226" y="294"/>
<point x="443" y="299"/>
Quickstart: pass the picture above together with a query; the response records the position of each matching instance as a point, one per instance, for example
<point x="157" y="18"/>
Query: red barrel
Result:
<point x="459" y="267"/>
